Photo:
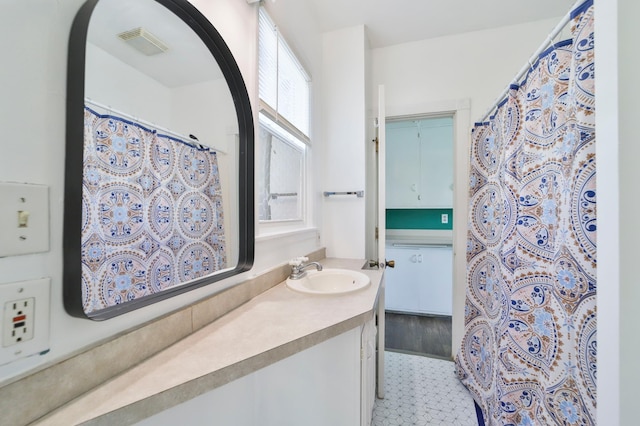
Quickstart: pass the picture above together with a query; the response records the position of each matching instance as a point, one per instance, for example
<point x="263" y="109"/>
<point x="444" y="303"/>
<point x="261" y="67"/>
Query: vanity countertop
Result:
<point x="272" y="326"/>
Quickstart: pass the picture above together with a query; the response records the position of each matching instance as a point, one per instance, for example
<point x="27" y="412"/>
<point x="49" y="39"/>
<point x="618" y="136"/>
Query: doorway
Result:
<point x="460" y="109"/>
<point x="419" y="234"/>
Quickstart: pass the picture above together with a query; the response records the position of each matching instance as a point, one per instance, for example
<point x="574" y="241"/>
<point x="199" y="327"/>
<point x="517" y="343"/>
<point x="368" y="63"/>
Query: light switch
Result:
<point x="24" y="218"/>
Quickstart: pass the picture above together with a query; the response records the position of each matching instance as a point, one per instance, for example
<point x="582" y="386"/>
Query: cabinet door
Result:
<point x="436" y="281"/>
<point x="436" y="151"/>
<point x="402" y="166"/>
<point x="368" y="372"/>
<point x="402" y="291"/>
<point x="422" y="280"/>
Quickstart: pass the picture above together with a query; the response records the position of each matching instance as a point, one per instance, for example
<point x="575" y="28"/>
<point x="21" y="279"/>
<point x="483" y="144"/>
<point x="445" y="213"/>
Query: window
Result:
<point x="284" y="89"/>
<point x="281" y="179"/>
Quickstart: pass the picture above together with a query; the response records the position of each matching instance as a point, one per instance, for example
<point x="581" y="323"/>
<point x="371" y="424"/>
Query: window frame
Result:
<point x="294" y="142"/>
<point x="269" y="116"/>
<point x="273" y="111"/>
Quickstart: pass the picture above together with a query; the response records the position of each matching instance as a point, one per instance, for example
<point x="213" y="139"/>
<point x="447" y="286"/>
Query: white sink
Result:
<point x="330" y="281"/>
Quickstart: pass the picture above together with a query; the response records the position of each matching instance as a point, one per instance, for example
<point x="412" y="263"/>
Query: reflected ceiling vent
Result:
<point x="143" y="41"/>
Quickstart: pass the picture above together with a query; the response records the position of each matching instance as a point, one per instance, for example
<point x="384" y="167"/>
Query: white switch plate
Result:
<point x="445" y="218"/>
<point x="37" y="293"/>
<point x="24" y="218"/>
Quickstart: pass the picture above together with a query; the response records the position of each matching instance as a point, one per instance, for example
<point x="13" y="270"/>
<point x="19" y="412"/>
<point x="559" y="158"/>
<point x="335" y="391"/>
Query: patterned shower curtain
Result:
<point x="152" y="212"/>
<point x="528" y="354"/>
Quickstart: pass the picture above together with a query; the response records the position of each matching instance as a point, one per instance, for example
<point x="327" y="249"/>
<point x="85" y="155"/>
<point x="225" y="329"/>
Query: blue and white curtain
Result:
<point x="152" y="212"/>
<point x="529" y="350"/>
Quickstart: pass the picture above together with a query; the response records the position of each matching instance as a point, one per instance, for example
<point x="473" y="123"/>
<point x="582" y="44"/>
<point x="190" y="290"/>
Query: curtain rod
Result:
<point x="547" y="42"/>
<point x="150" y="124"/>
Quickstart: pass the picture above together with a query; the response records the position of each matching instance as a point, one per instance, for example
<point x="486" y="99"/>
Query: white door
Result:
<point x="381" y="230"/>
<point x="382" y="175"/>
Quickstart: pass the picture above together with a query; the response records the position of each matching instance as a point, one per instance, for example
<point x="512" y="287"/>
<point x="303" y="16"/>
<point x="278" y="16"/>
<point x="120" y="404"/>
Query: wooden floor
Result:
<point x="419" y="334"/>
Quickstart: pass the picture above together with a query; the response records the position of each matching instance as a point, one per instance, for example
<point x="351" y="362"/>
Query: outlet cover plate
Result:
<point x="39" y="290"/>
<point x="18" y="321"/>
<point x="24" y="218"/>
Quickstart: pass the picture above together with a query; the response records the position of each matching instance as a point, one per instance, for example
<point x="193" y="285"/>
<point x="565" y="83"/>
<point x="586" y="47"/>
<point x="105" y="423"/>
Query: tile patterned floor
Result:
<point x="422" y="391"/>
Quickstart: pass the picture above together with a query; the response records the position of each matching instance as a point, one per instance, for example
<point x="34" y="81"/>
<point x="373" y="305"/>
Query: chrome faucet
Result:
<point x="298" y="267"/>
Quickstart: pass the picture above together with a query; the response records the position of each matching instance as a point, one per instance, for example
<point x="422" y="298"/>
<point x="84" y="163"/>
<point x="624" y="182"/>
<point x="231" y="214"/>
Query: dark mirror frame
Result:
<point x="72" y="244"/>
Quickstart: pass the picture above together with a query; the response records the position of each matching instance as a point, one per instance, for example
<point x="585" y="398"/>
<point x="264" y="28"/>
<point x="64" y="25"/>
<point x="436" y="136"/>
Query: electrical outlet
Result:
<point x="445" y="218"/>
<point x="25" y="319"/>
<point x="18" y="321"/>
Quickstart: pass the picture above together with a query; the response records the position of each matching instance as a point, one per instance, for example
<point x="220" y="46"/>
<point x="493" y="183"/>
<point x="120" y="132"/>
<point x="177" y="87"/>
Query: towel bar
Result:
<point x="276" y="195"/>
<point x="359" y="194"/>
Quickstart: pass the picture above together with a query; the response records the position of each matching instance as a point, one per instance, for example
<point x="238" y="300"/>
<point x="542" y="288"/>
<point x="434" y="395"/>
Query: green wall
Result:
<point x="418" y="219"/>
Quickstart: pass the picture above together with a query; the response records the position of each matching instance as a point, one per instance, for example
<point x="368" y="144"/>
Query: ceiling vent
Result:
<point x="143" y="41"/>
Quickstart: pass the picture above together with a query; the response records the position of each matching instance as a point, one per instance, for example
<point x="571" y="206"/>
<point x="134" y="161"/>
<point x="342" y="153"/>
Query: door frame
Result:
<point x="461" y="111"/>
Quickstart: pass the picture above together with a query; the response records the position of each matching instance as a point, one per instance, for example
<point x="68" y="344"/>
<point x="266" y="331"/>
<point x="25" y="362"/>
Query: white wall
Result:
<point x="103" y="87"/>
<point x="628" y="204"/>
<point x="32" y="116"/>
<point x="206" y="110"/>
<point x="463" y="73"/>
<point x="476" y="65"/>
<point x="617" y="153"/>
<point x="344" y="126"/>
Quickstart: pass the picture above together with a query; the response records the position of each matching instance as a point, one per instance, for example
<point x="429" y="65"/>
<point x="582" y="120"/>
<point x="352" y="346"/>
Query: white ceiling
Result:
<point x="388" y="22"/>
<point x="195" y="64"/>
<point x="392" y="22"/>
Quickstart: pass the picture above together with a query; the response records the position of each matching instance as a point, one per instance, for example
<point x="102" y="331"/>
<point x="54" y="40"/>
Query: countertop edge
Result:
<point x="427" y="236"/>
<point x="161" y="399"/>
<point x="155" y="404"/>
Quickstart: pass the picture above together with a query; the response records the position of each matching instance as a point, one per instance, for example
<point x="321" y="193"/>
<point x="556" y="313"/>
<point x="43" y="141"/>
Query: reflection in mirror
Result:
<point x="280" y="186"/>
<point x="166" y="190"/>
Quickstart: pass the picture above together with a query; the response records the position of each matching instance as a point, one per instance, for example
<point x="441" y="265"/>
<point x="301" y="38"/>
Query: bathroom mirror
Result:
<point x="159" y="157"/>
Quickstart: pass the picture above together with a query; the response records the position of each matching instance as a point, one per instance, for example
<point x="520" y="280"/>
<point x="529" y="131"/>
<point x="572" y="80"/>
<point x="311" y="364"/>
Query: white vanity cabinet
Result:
<point x="422" y="280"/>
<point x="280" y="358"/>
<point x="332" y="383"/>
<point x="368" y="371"/>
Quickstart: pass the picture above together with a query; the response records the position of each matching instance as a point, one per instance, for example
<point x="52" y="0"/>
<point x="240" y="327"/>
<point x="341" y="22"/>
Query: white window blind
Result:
<point x="283" y="82"/>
